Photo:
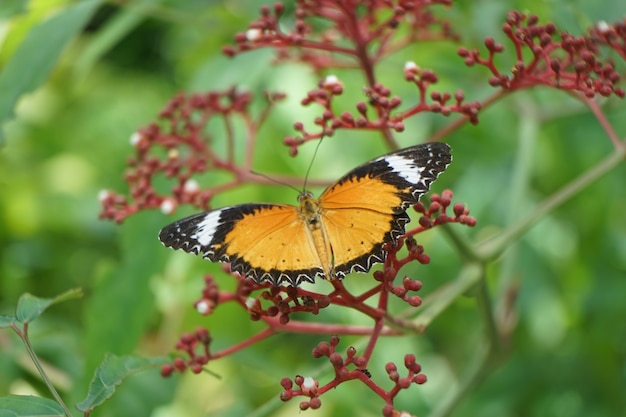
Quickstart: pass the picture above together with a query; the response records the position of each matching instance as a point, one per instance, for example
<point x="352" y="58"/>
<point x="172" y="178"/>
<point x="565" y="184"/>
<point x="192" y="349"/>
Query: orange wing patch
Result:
<point x="270" y="241"/>
<point x="356" y="246"/>
<point x="360" y="215"/>
<point x="365" y="193"/>
<point x="342" y="232"/>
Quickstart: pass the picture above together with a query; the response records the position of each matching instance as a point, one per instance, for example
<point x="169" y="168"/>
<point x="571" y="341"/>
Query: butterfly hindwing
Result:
<point x="267" y="242"/>
<point x="357" y="245"/>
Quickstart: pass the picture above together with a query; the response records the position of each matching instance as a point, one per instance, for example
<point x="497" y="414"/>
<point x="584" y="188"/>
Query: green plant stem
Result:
<point x="486" y="361"/>
<point x="608" y="128"/>
<point x="485" y="306"/>
<point x="44" y="376"/>
<point x="464" y="247"/>
<point x="437" y="302"/>
<point x="528" y="129"/>
<point x="491" y="249"/>
<point x="481" y="367"/>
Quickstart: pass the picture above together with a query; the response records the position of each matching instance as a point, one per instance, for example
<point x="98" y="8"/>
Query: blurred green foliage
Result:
<point x="69" y="140"/>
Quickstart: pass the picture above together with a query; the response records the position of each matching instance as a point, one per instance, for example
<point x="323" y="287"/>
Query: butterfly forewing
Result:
<point x="367" y="206"/>
<point x="413" y="169"/>
<point x="257" y="239"/>
<point x="363" y="210"/>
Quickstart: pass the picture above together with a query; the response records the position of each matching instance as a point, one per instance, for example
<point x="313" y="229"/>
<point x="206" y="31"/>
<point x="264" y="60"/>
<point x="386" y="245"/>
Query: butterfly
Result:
<point x="340" y="232"/>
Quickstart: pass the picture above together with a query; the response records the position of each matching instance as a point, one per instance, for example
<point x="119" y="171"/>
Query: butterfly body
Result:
<point x="312" y="214"/>
<point x="340" y="232"/>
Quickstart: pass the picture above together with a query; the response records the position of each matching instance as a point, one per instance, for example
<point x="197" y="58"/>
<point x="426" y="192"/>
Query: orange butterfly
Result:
<point x="341" y="232"/>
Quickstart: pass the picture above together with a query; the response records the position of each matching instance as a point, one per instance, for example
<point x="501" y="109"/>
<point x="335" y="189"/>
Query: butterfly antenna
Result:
<point x="306" y="178"/>
<point x="308" y="171"/>
<point x="275" y="181"/>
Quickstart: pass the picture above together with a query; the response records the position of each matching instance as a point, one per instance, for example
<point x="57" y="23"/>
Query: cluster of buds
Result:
<point x="210" y="297"/>
<point x="413" y="376"/>
<point x="558" y="60"/>
<point x="382" y="111"/>
<point x="370" y="28"/>
<point x="371" y="31"/>
<point x="350" y="367"/>
<point x="179" y="148"/>
<point x="611" y="35"/>
<point x="441" y="103"/>
<point x="196" y="346"/>
<point x="437" y="212"/>
<point x="284" y="302"/>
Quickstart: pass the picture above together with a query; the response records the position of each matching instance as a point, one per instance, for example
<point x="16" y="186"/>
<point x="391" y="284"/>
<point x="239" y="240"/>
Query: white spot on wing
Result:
<point x="405" y="167"/>
<point x="205" y="230"/>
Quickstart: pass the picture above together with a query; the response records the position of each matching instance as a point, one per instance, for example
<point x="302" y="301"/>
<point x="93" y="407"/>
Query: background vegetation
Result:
<point x="69" y="139"/>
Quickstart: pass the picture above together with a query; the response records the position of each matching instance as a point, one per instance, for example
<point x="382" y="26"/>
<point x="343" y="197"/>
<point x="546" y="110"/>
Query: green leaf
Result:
<point x="28" y="405"/>
<point x="11" y="8"/>
<point x="111" y="373"/>
<point x="113" y="32"/>
<point x="35" y="58"/>
<point x="6" y="321"/>
<point x="30" y="307"/>
<point x="127" y="288"/>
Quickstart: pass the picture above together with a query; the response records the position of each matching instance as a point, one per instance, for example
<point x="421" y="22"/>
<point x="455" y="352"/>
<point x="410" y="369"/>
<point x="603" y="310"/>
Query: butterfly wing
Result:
<point x="367" y="207"/>
<point x="267" y="242"/>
